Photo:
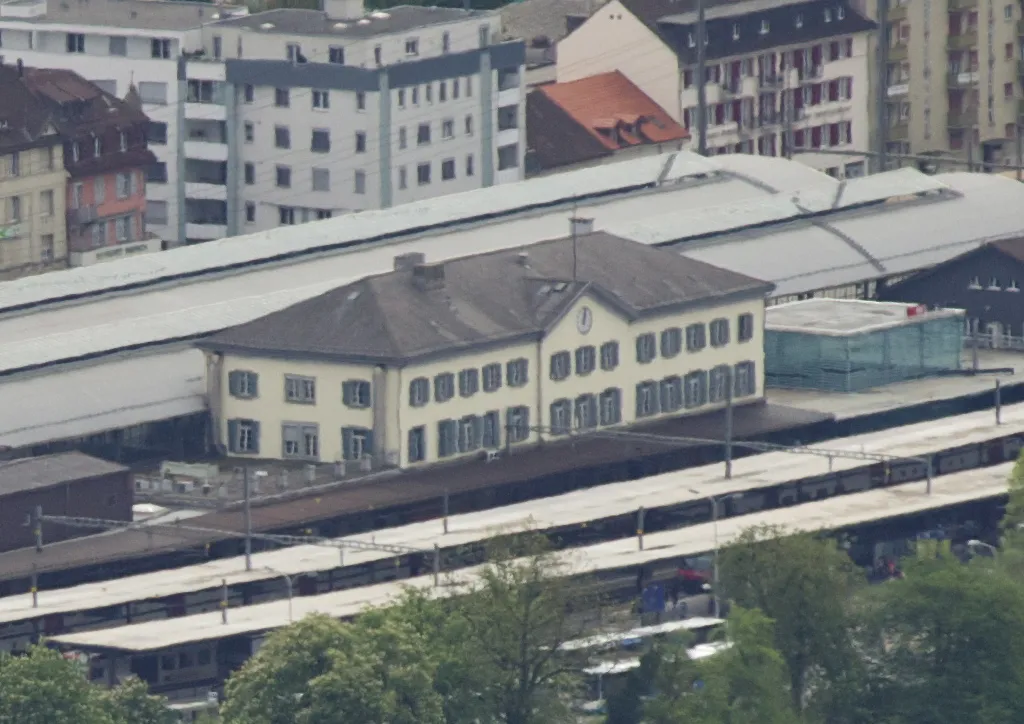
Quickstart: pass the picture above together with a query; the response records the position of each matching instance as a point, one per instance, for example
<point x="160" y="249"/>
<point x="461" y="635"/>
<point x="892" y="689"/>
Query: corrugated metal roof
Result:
<point x="49" y="470"/>
<point x="436" y="214"/>
<point x="97" y="398"/>
<point x="889" y="185"/>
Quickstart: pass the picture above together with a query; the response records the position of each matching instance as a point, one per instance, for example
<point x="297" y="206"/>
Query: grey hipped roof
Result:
<point x="484" y="299"/>
<point x="50" y="470"/>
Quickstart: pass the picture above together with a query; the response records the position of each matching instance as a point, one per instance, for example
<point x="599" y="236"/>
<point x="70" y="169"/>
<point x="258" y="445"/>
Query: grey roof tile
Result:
<point x="486" y="298"/>
<point x="49" y="470"/>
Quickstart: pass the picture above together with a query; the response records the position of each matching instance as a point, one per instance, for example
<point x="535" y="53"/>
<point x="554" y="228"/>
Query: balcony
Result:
<point x="964" y="41"/>
<point x="955" y="5"/>
<point x="897" y="89"/>
<point x="86" y="257"/>
<point x="766" y="119"/>
<point x="898" y="132"/>
<point x="1020" y="68"/>
<point x="1020" y="28"/>
<point x="960" y="119"/>
<point x="960" y="79"/>
<point x="205" y="232"/>
<point x="206" y="150"/>
<point x="82" y="215"/>
<point x="772" y="82"/>
<point x="898" y="52"/>
<point x="815" y="72"/>
<point x="898" y="13"/>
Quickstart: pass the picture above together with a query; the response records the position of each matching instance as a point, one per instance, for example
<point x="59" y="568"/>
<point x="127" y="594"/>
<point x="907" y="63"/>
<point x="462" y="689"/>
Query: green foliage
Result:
<point x="131" y="703"/>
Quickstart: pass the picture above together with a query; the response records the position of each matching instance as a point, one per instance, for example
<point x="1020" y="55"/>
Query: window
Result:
<point x="360" y="142"/>
<point x="122" y="228"/>
<point x="695" y="338"/>
<point x="99" y="233"/>
<point x="124" y="181"/>
<point x="321" y="179"/>
<point x="516" y="372"/>
<point x="442" y="91"/>
<point x="243" y="384"/>
<point x="403" y="139"/>
<point x="419" y="392"/>
<point x="284" y="177"/>
<point x="695" y="389"/>
<point x="361" y="100"/>
<point x="561" y="365"/>
<point x="423" y="174"/>
<point x="745" y="323"/>
<point x="218" y="47"/>
<point x="156" y="133"/>
<point x="455" y="88"/>
<point x="611" y="406"/>
<point x="448" y="128"/>
<point x="492" y="377"/>
<point x="412" y="47"/>
<point x="321" y="100"/>
<point x="281" y="98"/>
<point x="469" y="86"/>
<point x="469" y="382"/>
<point x="444" y="387"/>
<point x="285" y="215"/>
<point x="585" y="412"/>
<point x="447" y="438"/>
<point x="46" y="202"/>
<point x="355" y="393"/>
<point x="508" y="156"/>
<point x="249" y="93"/>
<point x="671" y="394"/>
<point x="470" y="433"/>
<point x="118" y="45"/>
<point x="416" y="95"/>
<point x="356" y="443"/>
<point x="300" y="389"/>
<point x="609" y="356"/>
<point x="446" y="42"/>
<point x="469" y="125"/>
<point x="517" y="424"/>
<point x="719" y="332"/>
<point x="250" y="211"/>
<point x="75" y="43"/>
<point x="336" y="55"/>
<point x="300" y="441"/>
<point x="744" y="381"/>
<point x="671" y="342"/>
<point x="428" y="92"/>
<point x="99" y="189"/>
<point x="646" y="399"/>
<point x="561" y="417"/>
<point x="469" y="165"/>
<point x="160" y="48"/>
<point x="417" y="444"/>
<point x="491" y="433"/>
<point x="585" y="359"/>
<point x="403" y="177"/>
<point x="401" y="97"/>
<point x="646" y="348"/>
<point x="718" y="384"/>
<point x="282" y="137"/>
<point x="156" y="212"/>
<point x="153" y="93"/>
<point x="97" y="146"/>
<point x="320" y="142"/>
<point x="250" y="174"/>
<point x="243" y="436"/>
<point x="448" y="169"/>
<point x="14" y="209"/>
<point x="423" y="134"/>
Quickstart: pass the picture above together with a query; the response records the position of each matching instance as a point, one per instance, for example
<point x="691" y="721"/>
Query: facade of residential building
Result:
<point x="32" y="182"/>
<point x="786" y="78"/>
<point x="106" y="158"/>
<point x="598" y="119"/>
<point x="432" y="362"/>
<point x="293" y="115"/>
<point x="954" y="72"/>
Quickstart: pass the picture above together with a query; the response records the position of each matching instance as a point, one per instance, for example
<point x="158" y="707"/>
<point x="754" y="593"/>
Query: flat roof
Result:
<point x="138" y="14"/>
<point x="830" y="514"/>
<point x="47" y="471"/>
<point x="749" y="473"/>
<point x="847" y="317"/>
<point x="398" y="19"/>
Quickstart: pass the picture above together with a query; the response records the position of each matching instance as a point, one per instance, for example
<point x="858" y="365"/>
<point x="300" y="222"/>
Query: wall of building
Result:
<point x="33" y="234"/>
<point x="614" y="39"/>
<point x="118" y="219"/>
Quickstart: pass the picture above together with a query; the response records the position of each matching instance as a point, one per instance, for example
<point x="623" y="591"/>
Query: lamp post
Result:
<point x="714" y="500"/>
<point x="288" y="583"/>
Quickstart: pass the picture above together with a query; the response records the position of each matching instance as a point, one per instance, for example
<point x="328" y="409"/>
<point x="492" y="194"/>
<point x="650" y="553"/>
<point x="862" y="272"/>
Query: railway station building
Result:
<point x="474" y="356"/>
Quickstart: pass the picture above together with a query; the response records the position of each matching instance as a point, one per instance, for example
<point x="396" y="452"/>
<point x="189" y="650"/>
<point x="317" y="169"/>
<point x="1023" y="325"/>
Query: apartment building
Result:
<point x="293" y="115"/>
<point x="478" y="355"/>
<point x="32" y="182"/>
<point x="781" y="78"/>
<point x="106" y="158"/>
<point x="115" y="44"/>
<point x="954" y="70"/>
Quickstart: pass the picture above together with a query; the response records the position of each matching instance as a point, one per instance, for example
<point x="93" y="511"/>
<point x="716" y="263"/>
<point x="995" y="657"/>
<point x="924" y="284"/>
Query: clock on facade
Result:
<point x="584" y="320"/>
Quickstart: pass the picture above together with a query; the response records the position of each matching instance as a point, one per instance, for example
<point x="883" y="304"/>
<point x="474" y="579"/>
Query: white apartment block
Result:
<point x="289" y="116"/>
<point x="781" y="78"/>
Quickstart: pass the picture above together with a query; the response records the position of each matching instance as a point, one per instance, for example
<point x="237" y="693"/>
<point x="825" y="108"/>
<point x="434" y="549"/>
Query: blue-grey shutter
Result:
<point x="255" y="436"/>
<point x="232" y="434"/>
<point x="254" y="383"/>
<point x="369" y="442"/>
<point x="592" y="410"/>
<point x="233" y="383"/>
<point x="639" y="400"/>
<point x="478" y="432"/>
<point x="346" y="443"/>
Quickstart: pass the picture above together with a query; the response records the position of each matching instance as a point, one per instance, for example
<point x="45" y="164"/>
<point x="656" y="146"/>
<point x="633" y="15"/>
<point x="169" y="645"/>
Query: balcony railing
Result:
<point x="898" y="132"/>
<point x="82" y="215"/>
<point x="898" y="52"/>
<point x="957" y="79"/>
<point x="772" y="82"/>
<point x="960" y="119"/>
<point x="897" y="13"/>
<point x="963" y="41"/>
<point x="962" y="4"/>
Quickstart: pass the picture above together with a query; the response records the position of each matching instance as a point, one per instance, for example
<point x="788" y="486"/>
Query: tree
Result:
<point x="803" y="584"/>
<point x="747" y="682"/>
<point x="952" y="645"/>
<point x="131" y="703"/>
<point x="43" y="687"/>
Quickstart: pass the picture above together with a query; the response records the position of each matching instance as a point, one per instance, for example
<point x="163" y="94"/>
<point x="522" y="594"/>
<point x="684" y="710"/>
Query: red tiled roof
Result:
<point x="610" y="101"/>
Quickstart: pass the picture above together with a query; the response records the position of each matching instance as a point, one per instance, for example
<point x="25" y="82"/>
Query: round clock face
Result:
<point x="584" y="320"/>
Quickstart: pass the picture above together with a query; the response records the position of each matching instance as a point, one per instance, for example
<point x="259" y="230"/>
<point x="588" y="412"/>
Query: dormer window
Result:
<point x="828" y="15"/>
<point x="735" y="31"/>
<point x="764" y="27"/>
<point x="1012" y="286"/>
<point x="975" y="283"/>
<point x="97" y="146"/>
<point x="124" y="141"/>
<point x="799" y="20"/>
<point x="993" y="284"/>
<point x="76" y="151"/>
<point x="689" y="40"/>
<point x="840" y="12"/>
